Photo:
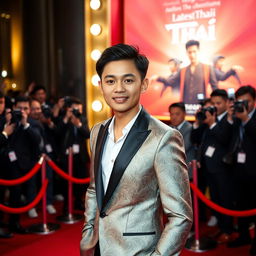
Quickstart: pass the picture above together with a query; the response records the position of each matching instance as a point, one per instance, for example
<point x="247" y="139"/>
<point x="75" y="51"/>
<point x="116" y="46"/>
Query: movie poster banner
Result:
<point x="226" y="30"/>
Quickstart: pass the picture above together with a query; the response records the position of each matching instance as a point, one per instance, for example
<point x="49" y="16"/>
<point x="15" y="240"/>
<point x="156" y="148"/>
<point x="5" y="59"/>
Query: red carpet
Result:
<point x="65" y="242"/>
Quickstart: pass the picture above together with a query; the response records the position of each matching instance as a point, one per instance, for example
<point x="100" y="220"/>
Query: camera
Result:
<point x="201" y="116"/>
<point x="240" y="106"/>
<point x="67" y="102"/>
<point x="76" y="112"/>
<point x="16" y="116"/>
<point x="46" y="110"/>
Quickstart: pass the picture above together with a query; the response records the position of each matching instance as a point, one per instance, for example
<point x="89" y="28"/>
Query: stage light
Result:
<point x="95" y="29"/>
<point x="95" y="4"/>
<point x="95" y="80"/>
<point x="14" y="85"/>
<point x="95" y="54"/>
<point x="4" y="73"/>
<point x="97" y="106"/>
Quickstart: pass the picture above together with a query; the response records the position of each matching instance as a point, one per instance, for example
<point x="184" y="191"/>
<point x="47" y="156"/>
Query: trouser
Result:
<point x="220" y="185"/>
<point x="245" y="200"/>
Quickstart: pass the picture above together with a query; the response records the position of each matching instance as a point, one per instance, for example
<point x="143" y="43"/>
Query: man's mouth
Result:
<point x="120" y="99"/>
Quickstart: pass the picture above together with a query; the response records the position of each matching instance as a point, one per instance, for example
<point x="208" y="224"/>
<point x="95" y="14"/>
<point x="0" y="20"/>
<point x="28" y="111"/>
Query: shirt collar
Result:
<point x="221" y="115"/>
<point x="251" y="113"/>
<point x="126" y="129"/>
<point x="180" y="125"/>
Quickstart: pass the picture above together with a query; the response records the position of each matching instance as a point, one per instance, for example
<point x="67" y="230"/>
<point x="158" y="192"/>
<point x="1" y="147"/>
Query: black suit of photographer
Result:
<point x="24" y="142"/>
<point x="218" y="174"/>
<point x="244" y="141"/>
<point x="75" y="137"/>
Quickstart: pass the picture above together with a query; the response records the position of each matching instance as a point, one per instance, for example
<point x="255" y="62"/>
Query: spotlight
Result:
<point x="95" y="54"/>
<point x="95" y="29"/>
<point x="97" y="106"/>
<point x="4" y="73"/>
<point x="14" y="85"/>
<point x="95" y="80"/>
<point x="95" y="4"/>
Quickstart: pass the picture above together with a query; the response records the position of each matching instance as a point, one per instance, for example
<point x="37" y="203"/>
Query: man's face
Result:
<point x="35" y="110"/>
<point x="23" y="107"/>
<point x="121" y="86"/>
<point x="220" y="104"/>
<point x="177" y="116"/>
<point x="40" y="95"/>
<point x="173" y="67"/>
<point x="193" y="53"/>
<point x="249" y="98"/>
<point x="219" y="64"/>
<point x="2" y="105"/>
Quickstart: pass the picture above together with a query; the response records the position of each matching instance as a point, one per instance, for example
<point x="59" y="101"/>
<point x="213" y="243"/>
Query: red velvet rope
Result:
<point x="29" y="206"/>
<point x="66" y="176"/>
<point x="23" y="179"/>
<point x="219" y="208"/>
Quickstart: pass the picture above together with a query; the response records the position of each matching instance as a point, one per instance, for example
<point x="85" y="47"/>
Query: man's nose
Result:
<point x="119" y="87"/>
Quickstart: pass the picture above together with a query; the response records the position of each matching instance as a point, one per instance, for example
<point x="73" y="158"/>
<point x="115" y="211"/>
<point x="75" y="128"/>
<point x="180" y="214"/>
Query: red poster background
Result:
<point x="235" y="31"/>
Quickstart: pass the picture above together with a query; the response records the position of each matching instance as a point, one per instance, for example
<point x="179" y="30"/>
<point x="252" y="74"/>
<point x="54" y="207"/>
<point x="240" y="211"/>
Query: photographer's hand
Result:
<point x="24" y="119"/>
<point x="8" y="129"/>
<point x="243" y="116"/>
<point x="230" y="111"/>
<point x="68" y="115"/>
<point x="76" y="121"/>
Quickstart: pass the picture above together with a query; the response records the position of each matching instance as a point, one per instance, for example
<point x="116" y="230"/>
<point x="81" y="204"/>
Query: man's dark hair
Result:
<point x="246" y="89"/>
<point x="75" y="100"/>
<point x="176" y="61"/>
<point x="191" y="43"/>
<point x="221" y="93"/>
<point x="123" y="52"/>
<point x="1" y="95"/>
<point x="217" y="58"/>
<point x="37" y="88"/>
<point x="21" y="99"/>
<point x="179" y="105"/>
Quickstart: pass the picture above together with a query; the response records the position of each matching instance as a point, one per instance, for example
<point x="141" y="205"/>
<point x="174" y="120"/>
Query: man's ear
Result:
<point x="100" y="86"/>
<point x="144" y="85"/>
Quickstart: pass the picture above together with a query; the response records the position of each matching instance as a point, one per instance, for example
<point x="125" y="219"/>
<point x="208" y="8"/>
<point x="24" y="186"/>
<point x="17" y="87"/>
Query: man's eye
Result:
<point x="128" y="81"/>
<point x="110" y="82"/>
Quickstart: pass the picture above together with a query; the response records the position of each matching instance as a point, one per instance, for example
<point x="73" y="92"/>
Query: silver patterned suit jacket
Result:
<point x="149" y="177"/>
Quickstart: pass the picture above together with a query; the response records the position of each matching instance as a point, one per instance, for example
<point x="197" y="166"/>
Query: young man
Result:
<point x="214" y="146"/>
<point x="177" y="115"/>
<point x="244" y="141"/>
<point x="138" y="169"/>
<point x="194" y="79"/>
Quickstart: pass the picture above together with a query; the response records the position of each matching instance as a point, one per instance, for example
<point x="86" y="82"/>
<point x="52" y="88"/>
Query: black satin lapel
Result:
<point x="101" y="139"/>
<point x="137" y="135"/>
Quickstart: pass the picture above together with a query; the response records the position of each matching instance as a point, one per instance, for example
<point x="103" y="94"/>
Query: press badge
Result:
<point x="76" y="148"/>
<point x="241" y="158"/>
<point x="48" y="148"/>
<point x="210" y="151"/>
<point x="12" y="156"/>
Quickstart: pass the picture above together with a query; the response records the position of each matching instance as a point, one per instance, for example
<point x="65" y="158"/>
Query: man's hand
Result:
<point x="9" y="128"/>
<point x="237" y="68"/>
<point x="210" y="119"/>
<point x="230" y="111"/>
<point x="243" y="116"/>
<point x="24" y="118"/>
<point x="76" y="121"/>
<point x="68" y="115"/>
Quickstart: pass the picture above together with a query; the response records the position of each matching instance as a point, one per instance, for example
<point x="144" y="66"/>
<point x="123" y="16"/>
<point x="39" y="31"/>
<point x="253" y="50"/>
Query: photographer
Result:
<point x="244" y="153"/>
<point x="6" y="129"/>
<point x="214" y="146"/>
<point x="42" y="116"/>
<point x="22" y="153"/>
<point x="73" y="131"/>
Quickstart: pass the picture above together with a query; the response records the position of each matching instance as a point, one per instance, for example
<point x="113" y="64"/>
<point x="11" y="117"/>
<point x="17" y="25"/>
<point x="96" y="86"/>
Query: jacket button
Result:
<point x="103" y="214"/>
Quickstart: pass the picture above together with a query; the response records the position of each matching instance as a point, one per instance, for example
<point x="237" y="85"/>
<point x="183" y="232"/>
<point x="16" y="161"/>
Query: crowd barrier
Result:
<point x="44" y="159"/>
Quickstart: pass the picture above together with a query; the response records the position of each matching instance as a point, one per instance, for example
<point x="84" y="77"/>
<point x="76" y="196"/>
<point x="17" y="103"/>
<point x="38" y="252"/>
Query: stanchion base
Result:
<point x="43" y="229"/>
<point x="70" y="218"/>
<point x="201" y="245"/>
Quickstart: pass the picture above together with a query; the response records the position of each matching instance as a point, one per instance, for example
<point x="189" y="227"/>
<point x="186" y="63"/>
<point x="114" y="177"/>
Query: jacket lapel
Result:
<point x="102" y="136"/>
<point x="135" y="138"/>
